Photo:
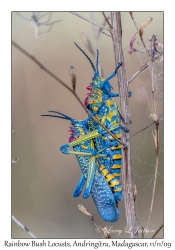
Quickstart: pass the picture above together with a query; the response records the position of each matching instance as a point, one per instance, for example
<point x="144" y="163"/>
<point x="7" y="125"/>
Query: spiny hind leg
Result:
<point x="90" y="177"/>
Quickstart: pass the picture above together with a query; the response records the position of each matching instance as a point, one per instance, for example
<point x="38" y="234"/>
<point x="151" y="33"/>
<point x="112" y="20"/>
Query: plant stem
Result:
<point x="123" y="90"/>
<point x="106" y="20"/>
<point x="156" y="142"/>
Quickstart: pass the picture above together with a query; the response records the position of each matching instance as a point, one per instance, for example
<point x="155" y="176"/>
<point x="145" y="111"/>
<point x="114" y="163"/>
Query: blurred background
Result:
<point x="43" y="180"/>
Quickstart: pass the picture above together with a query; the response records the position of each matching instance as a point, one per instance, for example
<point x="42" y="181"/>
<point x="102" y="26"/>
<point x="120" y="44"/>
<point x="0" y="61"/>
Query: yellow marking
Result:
<point x="92" y="144"/>
<point x="116" y="166"/>
<point x="118" y="189"/>
<point x="97" y="117"/>
<point x="85" y="147"/>
<point x="95" y="108"/>
<point x="102" y="79"/>
<point x="99" y="92"/>
<point x="116" y="174"/>
<point x="117" y="135"/>
<point x="81" y="131"/>
<point x="99" y="95"/>
<point x="111" y="115"/>
<point x="114" y="183"/>
<point x="110" y="102"/>
<point x="116" y="157"/>
<point x="116" y="124"/>
<point x="105" y="172"/>
<point x="103" y="119"/>
<point x="109" y="177"/>
<point x="116" y="147"/>
<point x="104" y="138"/>
<point x="102" y="167"/>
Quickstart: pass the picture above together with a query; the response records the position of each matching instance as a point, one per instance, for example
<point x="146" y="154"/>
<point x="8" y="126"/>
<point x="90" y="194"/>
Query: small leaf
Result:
<point x="72" y="74"/>
<point x="85" y="211"/>
<point x="143" y="25"/>
<point x="153" y="117"/>
<point x="132" y="49"/>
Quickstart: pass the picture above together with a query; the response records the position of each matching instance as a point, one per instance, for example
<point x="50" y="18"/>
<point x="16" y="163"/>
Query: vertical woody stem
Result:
<point x="116" y="33"/>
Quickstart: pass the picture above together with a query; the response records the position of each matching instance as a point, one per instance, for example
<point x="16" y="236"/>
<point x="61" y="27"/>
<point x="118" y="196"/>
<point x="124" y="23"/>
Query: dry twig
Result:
<point x="103" y="27"/>
<point x="124" y="104"/>
<point x="158" y="230"/>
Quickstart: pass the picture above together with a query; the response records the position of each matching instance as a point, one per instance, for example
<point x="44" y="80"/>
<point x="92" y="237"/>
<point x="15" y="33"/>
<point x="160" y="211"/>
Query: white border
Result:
<point x="5" y="95"/>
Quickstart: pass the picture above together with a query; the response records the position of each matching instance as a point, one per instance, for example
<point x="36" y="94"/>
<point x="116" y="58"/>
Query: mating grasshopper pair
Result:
<point x="98" y="154"/>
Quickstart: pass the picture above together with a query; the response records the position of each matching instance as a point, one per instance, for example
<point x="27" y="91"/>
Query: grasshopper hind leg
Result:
<point x="80" y="186"/>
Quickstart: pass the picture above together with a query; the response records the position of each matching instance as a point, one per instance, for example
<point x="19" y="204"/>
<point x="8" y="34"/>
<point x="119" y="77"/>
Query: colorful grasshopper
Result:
<point x="99" y="156"/>
<point x="102" y="105"/>
<point x="88" y="159"/>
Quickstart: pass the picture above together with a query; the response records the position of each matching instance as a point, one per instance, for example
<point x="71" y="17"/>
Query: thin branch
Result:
<point x="42" y="66"/>
<point x="107" y="20"/>
<point x="103" y="24"/>
<point x="23" y="227"/>
<point x="142" y="69"/>
<point x="140" y="131"/>
<point x="103" y="27"/>
<point x="156" y="143"/>
<point x="153" y="192"/>
<point x="106" y="34"/>
<point x="134" y="21"/>
<point x="143" y="129"/>
<point x="67" y="87"/>
<point x="158" y="230"/>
